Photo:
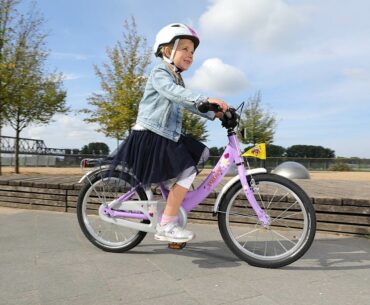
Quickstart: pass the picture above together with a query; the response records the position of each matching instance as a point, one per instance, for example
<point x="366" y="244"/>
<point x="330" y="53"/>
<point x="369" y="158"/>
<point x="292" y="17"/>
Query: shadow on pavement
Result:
<point x="343" y="253"/>
<point x="208" y="254"/>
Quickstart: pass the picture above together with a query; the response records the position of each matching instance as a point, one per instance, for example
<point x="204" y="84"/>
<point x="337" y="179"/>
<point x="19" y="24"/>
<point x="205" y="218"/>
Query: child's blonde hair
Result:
<point x="163" y="47"/>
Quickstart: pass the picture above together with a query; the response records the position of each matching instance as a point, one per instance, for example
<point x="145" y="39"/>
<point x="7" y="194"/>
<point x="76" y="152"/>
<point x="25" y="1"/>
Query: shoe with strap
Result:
<point x="172" y="232"/>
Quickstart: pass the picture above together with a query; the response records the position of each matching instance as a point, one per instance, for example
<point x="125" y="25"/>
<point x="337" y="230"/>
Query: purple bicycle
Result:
<point x="265" y="219"/>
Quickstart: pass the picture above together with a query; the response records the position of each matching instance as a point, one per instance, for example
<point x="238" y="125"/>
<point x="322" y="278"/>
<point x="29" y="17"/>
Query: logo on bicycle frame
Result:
<point x="223" y="164"/>
<point x="214" y="177"/>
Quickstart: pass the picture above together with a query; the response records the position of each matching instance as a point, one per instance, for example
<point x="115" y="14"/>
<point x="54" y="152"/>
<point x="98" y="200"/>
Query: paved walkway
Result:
<point x="45" y="260"/>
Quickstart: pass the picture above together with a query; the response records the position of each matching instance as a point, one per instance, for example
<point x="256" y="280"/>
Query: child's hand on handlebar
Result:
<point x="222" y="105"/>
<point x="219" y="102"/>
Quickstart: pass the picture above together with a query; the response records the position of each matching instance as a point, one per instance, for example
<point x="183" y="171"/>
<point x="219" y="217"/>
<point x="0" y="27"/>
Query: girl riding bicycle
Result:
<point x="156" y="151"/>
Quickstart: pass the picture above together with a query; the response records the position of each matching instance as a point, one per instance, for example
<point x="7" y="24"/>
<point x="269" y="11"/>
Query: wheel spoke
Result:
<point x="279" y="242"/>
<point x="288" y="220"/>
<point x="240" y="236"/>
<point x="98" y="195"/>
<point x="273" y="243"/>
<point x="261" y="200"/>
<point x="282" y="213"/>
<point x="243" y="215"/>
<point x="287" y="216"/>
<point x="284" y="237"/>
<point x="272" y="199"/>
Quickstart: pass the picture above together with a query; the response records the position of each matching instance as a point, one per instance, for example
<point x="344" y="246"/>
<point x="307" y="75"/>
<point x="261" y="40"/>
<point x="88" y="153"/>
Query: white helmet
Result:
<point x="174" y="31"/>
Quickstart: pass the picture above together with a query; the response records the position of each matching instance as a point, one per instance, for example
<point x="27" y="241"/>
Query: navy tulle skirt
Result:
<point x="150" y="158"/>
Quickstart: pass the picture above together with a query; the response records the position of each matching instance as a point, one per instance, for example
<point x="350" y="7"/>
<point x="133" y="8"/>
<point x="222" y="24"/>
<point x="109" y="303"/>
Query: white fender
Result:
<point x="92" y="172"/>
<point x="148" y="190"/>
<point x="231" y="182"/>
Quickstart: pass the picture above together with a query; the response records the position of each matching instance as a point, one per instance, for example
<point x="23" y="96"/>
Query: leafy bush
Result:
<point x="309" y="151"/>
<point x="95" y="148"/>
<point x="340" y="167"/>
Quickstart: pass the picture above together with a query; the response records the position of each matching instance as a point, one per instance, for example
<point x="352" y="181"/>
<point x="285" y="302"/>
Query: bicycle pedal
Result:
<point x="176" y="246"/>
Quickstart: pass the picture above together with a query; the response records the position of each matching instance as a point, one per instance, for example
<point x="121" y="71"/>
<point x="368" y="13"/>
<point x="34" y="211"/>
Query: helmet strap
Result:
<point x="174" y="49"/>
<point x="170" y="60"/>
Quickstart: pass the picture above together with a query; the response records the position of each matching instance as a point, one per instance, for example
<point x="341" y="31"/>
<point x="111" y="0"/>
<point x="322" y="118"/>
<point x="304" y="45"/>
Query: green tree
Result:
<point x="258" y="124"/>
<point x="122" y="80"/>
<point x="8" y="14"/>
<point x="95" y="148"/>
<point x="275" y="150"/>
<point x="193" y="126"/>
<point x="216" y="151"/>
<point x="33" y="95"/>
<point x="309" y="151"/>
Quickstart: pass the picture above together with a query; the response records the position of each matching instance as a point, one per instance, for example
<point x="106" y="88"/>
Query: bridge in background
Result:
<point x="31" y="147"/>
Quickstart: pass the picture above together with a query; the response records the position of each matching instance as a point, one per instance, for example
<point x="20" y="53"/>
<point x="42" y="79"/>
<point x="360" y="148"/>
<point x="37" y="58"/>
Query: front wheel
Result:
<point x="292" y="222"/>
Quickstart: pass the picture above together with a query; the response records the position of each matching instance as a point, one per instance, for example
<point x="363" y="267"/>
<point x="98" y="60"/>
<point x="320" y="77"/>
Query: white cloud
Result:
<point x="68" y="56"/>
<point x="218" y="77"/>
<point x="264" y="23"/>
<point x="71" y="76"/>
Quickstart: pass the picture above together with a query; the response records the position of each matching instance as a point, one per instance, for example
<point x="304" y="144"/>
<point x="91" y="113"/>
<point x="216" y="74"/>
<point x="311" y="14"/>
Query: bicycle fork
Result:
<point x="262" y="216"/>
<point x="239" y="161"/>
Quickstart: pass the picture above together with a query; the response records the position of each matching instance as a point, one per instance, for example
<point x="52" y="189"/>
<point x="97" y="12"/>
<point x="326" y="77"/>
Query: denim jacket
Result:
<point x="161" y="108"/>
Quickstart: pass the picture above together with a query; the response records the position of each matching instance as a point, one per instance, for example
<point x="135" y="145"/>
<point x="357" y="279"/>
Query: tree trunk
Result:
<point x="1" y="172"/>
<point x="1" y="126"/>
<point x="17" y="132"/>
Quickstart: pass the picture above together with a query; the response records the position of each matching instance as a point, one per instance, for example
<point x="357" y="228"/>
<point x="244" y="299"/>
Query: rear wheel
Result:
<point x="102" y="189"/>
<point x="291" y="230"/>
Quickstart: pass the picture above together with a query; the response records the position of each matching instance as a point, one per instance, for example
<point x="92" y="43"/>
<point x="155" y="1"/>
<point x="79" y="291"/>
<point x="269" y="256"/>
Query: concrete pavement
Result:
<point x="46" y="260"/>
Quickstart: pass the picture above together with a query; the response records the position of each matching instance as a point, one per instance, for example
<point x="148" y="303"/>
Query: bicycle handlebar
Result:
<point x="230" y="119"/>
<point x="207" y="106"/>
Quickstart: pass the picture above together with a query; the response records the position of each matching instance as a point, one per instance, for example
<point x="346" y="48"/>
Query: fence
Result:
<point x="312" y="164"/>
<point x="40" y="160"/>
<point x="74" y="160"/>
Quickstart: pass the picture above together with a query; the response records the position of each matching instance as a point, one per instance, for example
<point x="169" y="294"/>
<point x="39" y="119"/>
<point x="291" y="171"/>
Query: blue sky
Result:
<point x="309" y="59"/>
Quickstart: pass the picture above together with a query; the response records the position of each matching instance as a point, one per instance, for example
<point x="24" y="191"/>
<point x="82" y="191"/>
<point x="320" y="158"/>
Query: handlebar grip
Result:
<point x="228" y="114"/>
<point x="207" y="106"/>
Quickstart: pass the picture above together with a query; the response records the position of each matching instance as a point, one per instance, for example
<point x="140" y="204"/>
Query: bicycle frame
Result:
<point x="231" y="155"/>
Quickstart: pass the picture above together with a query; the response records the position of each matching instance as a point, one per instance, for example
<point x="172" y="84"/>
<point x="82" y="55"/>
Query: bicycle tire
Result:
<point x="83" y="207"/>
<point x="300" y="224"/>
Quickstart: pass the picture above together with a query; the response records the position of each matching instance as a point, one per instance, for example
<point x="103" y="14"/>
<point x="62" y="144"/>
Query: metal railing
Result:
<point x="312" y="164"/>
<point x="74" y="160"/>
<point x="47" y="160"/>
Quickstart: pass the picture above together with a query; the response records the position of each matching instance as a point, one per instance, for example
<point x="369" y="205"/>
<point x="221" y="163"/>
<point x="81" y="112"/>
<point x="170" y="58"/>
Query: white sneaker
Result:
<point x="174" y="233"/>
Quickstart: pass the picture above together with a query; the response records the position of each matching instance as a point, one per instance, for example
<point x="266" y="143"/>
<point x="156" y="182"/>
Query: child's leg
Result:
<point x="168" y="229"/>
<point x="174" y="200"/>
